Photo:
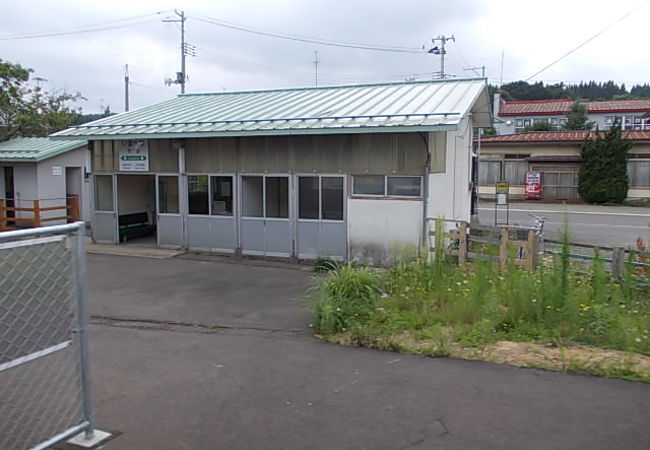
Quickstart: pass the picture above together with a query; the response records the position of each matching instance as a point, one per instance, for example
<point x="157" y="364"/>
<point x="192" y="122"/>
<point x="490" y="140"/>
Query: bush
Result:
<point x="603" y="173"/>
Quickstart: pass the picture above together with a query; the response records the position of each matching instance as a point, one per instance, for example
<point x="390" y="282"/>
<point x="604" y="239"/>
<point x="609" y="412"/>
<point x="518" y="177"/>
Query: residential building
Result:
<point x="514" y="116"/>
<point x="557" y="155"/>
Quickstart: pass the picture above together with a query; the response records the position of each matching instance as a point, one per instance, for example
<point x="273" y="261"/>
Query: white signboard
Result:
<point x="57" y="170"/>
<point x="134" y="156"/>
<point x="502" y="199"/>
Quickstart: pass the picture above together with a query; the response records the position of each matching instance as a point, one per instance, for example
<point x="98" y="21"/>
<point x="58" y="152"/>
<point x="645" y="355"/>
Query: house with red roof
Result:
<point x="514" y="116"/>
<point x="556" y="154"/>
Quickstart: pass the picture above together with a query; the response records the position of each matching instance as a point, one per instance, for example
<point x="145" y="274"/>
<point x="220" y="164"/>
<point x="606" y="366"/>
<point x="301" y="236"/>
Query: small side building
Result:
<point x="349" y="172"/>
<point x="557" y="155"/>
<point x="41" y="173"/>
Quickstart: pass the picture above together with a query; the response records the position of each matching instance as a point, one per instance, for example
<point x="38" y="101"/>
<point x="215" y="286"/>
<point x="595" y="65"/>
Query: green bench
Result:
<point x="135" y="225"/>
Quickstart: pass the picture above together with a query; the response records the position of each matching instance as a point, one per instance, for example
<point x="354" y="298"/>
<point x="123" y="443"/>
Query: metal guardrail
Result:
<point x="45" y="394"/>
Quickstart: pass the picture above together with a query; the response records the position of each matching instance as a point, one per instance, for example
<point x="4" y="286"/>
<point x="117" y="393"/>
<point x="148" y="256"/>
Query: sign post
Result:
<point x="501" y="199"/>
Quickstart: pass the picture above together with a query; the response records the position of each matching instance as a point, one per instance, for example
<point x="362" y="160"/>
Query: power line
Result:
<point x="312" y="40"/>
<point x="620" y="19"/>
<point x="292" y="74"/>
<point x="91" y="28"/>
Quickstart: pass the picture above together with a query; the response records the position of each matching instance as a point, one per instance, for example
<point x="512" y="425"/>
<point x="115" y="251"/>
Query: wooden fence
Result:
<point x="517" y="245"/>
<point x="523" y="247"/>
<point x="12" y="217"/>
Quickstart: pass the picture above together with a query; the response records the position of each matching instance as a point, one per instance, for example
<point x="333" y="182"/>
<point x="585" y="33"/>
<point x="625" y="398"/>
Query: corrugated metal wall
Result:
<point x="377" y="153"/>
<point x="163" y="158"/>
<point x="380" y="153"/>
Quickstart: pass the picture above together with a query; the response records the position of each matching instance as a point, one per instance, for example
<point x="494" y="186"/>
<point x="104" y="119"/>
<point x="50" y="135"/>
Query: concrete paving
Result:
<point x="165" y="382"/>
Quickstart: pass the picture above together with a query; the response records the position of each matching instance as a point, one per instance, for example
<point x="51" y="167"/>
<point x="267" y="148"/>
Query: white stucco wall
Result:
<point x="382" y="229"/>
<point x="52" y="186"/>
<point x="449" y="192"/>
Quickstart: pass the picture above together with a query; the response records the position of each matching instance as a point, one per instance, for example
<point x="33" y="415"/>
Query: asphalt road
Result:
<point x="193" y="354"/>
<point x="605" y="226"/>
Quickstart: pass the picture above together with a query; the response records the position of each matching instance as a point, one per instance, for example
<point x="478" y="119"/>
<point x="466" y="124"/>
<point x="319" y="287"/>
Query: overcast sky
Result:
<point x="530" y="34"/>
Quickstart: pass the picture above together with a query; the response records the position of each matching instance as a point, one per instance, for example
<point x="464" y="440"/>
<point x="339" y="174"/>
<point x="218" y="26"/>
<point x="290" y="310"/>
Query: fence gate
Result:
<point x="44" y="372"/>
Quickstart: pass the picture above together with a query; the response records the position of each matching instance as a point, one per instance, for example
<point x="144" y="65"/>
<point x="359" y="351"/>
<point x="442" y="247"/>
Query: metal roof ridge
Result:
<point x="277" y="119"/>
<point x="332" y="86"/>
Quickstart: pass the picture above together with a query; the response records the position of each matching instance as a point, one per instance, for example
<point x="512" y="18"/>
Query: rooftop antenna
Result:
<point x="474" y="69"/>
<point x="316" y="61"/>
<point x="126" y="87"/>
<point x="440" y="50"/>
<point x="501" y="76"/>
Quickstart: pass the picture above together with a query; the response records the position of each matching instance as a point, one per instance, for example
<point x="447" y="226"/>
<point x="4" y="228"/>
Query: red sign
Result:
<point x="533" y="187"/>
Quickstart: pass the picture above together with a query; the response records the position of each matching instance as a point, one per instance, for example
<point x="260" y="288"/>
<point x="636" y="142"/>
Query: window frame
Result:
<point x="320" y="177"/>
<point x="385" y="195"/>
<point x="210" y="192"/>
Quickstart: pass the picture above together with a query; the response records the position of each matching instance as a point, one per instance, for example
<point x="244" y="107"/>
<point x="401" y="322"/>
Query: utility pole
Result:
<point x="126" y="87"/>
<point x="435" y="50"/>
<point x="181" y="76"/>
<point x="316" y="61"/>
<point x="476" y="68"/>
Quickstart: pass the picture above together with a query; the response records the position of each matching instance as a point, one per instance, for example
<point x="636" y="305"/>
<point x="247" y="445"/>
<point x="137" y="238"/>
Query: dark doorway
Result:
<point x="9" y="190"/>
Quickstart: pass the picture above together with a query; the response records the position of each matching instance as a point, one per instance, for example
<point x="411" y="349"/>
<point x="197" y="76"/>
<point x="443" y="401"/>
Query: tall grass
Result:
<point x="481" y="303"/>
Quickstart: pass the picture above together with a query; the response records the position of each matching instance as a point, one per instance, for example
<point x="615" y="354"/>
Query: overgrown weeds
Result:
<point x="440" y="304"/>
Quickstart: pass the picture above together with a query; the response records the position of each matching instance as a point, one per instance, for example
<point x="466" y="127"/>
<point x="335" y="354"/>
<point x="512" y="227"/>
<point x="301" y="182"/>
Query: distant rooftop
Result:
<point x="365" y="108"/>
<point x="562" y="105"/>
<point x="35" y="149"/>
<point x="566" y="137"/>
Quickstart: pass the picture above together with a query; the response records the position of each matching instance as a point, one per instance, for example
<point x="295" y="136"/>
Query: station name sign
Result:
<point x="134" y="156"/>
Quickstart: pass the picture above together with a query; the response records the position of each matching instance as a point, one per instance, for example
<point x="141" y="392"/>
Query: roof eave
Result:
<point x="281" y="132"/>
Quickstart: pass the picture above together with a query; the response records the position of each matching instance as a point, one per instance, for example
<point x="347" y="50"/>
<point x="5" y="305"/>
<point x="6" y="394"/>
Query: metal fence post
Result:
<point x="82" y="328"/>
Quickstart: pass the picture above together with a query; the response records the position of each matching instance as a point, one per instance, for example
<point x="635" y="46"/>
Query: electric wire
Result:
<point x="91" y="28"/>
<point x="292" y="74"/>
<point x="312" y="40"/>
<point x="620" y="19"/>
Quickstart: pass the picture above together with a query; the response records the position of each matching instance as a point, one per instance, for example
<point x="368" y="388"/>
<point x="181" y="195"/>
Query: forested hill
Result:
<point x="521" y="90"/>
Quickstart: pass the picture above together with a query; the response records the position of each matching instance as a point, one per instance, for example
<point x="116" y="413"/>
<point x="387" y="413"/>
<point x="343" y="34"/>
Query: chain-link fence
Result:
<point x="44" y="372"/>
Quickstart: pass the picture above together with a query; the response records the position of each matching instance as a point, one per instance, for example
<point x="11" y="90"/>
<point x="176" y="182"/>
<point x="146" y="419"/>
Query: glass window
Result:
<point x="332" y="198"/>
<point x="252" y="196"/>
<point x="221" y="196"/>
<point x="197" y="194"/>
<point x="168" y="195"/>
<point x="369" y="185"/>
<point x="308" y="198"/>
<point x="404" y="186"/>
<point x="103" y="192"/>
<point x="277" y="197"/>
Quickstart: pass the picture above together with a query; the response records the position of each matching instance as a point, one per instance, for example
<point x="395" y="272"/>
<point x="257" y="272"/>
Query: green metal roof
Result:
<point x="35" y="149"/>
<point x="368" y="108"/>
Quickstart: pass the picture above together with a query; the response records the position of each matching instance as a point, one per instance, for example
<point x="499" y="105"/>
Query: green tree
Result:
<point x="577" y="117"/>
<point x="540" y="125"/>
<point x="603" y="173"/>
<point x="27" y="110"/>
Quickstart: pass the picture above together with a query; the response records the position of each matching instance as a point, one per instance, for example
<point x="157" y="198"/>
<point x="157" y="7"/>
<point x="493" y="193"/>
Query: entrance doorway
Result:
<point x="136" y="209"/>
<point x="321" y="217"/>
<point x="264" y="224"/>
<point x="9" y="193"/>
<point x="73" y="185"/>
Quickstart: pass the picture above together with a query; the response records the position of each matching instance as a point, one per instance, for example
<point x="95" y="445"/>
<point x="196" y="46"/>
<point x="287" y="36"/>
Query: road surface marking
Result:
<point x="548" y="211"/>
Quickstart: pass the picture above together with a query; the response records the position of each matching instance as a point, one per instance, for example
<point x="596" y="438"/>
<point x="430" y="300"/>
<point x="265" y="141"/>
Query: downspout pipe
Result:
<point x="425" y="188"/>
